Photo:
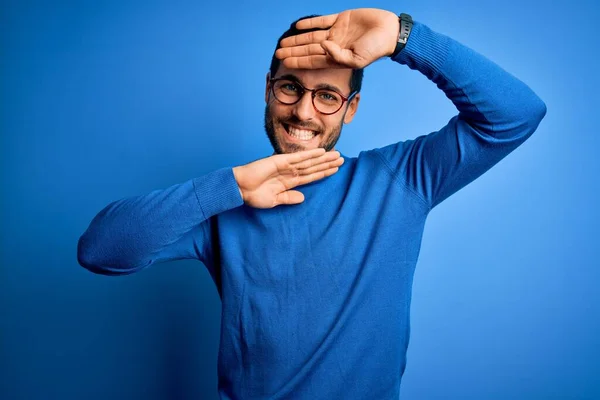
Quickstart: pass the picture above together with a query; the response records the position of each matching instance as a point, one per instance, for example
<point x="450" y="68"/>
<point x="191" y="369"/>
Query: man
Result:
<point x="313" y="253"/>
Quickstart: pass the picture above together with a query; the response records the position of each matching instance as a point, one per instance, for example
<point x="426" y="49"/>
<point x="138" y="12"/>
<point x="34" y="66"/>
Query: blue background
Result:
<point x="102" y="100"/>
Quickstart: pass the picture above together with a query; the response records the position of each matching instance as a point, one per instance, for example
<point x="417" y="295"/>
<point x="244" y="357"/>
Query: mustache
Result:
<point x="300" y="124"/>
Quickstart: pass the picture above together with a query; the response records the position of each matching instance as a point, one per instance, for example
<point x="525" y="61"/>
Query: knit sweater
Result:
<point x="316" y="296"/>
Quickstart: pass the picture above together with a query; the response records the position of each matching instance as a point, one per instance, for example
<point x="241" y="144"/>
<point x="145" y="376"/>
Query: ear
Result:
<point x="349" y="115"/>
<point x="267" y="87"/>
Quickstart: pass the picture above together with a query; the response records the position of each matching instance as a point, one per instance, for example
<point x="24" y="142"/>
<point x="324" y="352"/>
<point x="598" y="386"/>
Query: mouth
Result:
<point x="299" y="135"/>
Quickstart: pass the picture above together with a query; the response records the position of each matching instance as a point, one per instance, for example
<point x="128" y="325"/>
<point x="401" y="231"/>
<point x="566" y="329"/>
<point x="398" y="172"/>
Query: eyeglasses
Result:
<point x="325" y="101"/>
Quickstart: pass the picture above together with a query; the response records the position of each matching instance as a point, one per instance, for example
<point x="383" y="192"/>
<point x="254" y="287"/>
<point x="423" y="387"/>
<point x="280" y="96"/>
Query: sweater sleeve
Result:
<point x="496" y="113"/>
<point x="163" y="225"/>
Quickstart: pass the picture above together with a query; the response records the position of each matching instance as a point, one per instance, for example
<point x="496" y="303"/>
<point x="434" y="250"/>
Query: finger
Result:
<point x="311" y="62"/>
<point x="289" y="197"/>
<point x="339" y="55"/>
<point x="323" y="22"/>
<point x="304" y="38"/>
<point x="303" y="180"/>
<point x="322" y="167"/>
<point x="327" y="157"/>
<point x="300" y="51"/>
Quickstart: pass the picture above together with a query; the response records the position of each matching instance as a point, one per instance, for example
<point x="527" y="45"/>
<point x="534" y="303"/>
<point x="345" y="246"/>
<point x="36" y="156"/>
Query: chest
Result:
<point x="329" y="241"/>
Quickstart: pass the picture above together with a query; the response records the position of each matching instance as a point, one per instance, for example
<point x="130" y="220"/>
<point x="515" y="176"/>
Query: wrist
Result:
<point x="237" y="174"/>
<point x="395" y="24"/>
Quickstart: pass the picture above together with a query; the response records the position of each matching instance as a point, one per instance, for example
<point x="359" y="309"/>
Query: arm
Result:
<point x="497" y="113"/>
<point x="172" y="224"/>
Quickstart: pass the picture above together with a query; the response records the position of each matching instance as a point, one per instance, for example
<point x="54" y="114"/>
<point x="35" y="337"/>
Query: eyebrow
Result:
<point x="293" y="77"/>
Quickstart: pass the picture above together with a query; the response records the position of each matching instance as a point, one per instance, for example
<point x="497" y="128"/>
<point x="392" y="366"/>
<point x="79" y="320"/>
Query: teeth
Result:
<point x="301" y="134"/>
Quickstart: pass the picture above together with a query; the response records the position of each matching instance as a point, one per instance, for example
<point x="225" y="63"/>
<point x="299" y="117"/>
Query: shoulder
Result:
<point x="384" y="155"/>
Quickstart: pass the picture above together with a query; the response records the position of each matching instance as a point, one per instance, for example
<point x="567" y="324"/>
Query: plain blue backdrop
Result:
<point x="102" y="100"/>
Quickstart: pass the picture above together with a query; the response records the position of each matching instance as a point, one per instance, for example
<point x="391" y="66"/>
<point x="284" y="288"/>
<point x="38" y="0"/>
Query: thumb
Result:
<point x="289" y="197"/>
<point x="339" y="55"/>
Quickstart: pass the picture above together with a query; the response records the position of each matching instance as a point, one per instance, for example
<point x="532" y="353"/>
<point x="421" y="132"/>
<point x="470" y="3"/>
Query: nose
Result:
<point x="304" y="109"/>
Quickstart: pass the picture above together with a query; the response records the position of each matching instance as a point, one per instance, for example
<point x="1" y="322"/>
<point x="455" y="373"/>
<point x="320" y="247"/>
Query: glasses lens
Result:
<point x="327" y="101"/>
<point x="287" y="92"/>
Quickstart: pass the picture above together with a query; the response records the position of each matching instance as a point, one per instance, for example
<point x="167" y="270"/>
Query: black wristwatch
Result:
<point x="406" y="24"/>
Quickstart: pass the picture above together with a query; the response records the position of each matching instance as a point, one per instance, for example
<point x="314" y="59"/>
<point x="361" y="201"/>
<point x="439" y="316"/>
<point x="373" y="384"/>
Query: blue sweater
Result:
<point x="316" y="296"/>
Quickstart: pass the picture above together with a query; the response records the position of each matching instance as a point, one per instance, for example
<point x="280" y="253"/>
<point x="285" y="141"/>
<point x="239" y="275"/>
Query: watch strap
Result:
<point x="406" y="24"/>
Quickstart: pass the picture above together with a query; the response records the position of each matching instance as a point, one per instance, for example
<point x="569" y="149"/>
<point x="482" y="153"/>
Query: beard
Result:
<point x="328" y="139"/>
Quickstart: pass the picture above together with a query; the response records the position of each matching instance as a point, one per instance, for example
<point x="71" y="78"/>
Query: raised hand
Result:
<point x="267" y="182"/>
<point x="351" y="39"/>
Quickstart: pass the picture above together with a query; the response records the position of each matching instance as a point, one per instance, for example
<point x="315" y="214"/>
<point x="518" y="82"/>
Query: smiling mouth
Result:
<point x="300" y="134"/>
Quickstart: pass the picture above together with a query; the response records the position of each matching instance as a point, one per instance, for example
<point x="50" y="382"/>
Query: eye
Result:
<point x="289" y="87"/>
<point x="328" y="96"/>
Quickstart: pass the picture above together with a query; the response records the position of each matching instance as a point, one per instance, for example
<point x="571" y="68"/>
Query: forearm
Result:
<point x="132" y="233"/>
<point x="488" y="98"/>
<point x="497" y="113"/>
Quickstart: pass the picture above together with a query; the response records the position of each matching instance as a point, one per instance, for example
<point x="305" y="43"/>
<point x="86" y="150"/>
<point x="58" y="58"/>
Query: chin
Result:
<point x="288" y="148"/>
<point x="290" y="144"/>
<point x="284" y="143"/>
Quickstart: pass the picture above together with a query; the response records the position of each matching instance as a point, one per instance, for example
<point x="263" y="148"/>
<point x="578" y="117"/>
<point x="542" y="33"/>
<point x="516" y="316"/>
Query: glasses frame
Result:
<point x="313" y="94"/>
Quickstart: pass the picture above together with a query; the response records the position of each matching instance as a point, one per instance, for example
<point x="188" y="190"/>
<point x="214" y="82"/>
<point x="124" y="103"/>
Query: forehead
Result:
<point x="338" y="77"/>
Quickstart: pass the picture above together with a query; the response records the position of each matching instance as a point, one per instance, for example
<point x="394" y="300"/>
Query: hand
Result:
<point x="266" y="183"/>
<point x="351" y="39"/>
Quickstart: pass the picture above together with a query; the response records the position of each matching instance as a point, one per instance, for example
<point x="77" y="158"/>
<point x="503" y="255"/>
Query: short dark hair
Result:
<point x="357" y="74"/>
